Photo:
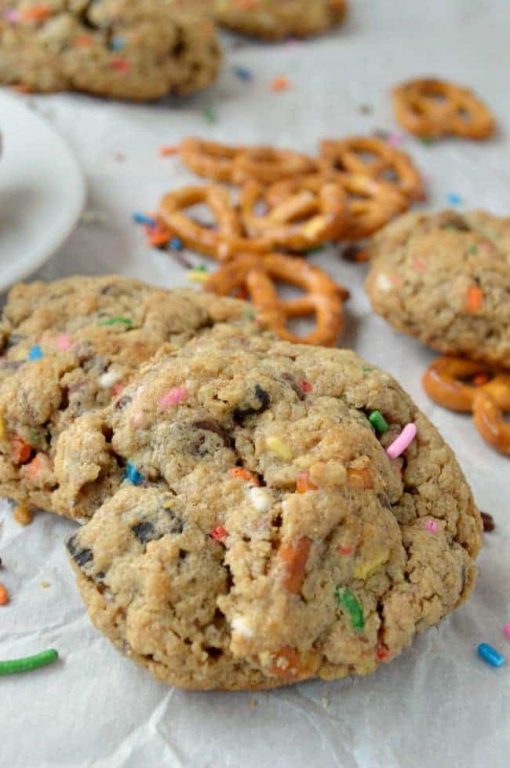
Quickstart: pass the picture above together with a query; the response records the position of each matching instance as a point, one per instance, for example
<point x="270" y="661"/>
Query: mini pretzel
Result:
<point x="370" y="203"/>
<point x="306" y="219"/>
<point x="431" y="108"/>
<point x="447" y="382"/>
<point x="490" y="421"/>
<point x="235" y="165"/>
<point x="375" y="158"/>
<point x="222" y="242"/>
<point x="258" y="275"/>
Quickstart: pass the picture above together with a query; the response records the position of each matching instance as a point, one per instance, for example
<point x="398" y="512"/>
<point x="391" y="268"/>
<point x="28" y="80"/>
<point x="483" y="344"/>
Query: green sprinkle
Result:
<point x="426" y="140"/>
<point x="209" y="115"/>
<point x="346" y="599"/>
<point x="249" y="314"/>
<point x="366" y="369"/>
<point x="28" y="663"/>
<point x="116" y="320"/>
<point x="472" y="249"/>
<point x="378" y="422"/>
<point x="201" y="268"/>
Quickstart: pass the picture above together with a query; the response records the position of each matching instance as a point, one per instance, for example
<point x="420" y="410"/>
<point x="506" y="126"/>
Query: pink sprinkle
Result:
<point x="305" y="385"/>
<point x="395" y="139"/>
<point x="11" y="15"/>
<point x="121" y="65"/>
<point x="117" y="388"/>
<point x="63" y="341"/>
<point x="402" y="442"/>
<point x="431" y="526"/>
<point x="506" y="630"/>
<point x="419" y="265"/>
<point x="174" y="397"/>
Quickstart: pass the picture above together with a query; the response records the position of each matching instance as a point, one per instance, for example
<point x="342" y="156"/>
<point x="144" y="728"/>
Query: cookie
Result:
<point x="445" y="278"/>
<point x="69" y="347"/>
<point x="278" y="19"/>
<point x="260" y="532"/>
<point x="125" y="49"/>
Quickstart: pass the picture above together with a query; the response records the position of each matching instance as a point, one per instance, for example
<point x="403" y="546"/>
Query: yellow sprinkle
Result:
<point x="364" y="569"/>
<point x="279" y="448"/>
<point x="197" y="276"/>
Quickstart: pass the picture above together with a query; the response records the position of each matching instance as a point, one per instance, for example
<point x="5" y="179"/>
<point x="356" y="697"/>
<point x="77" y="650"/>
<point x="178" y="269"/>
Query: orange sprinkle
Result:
<point x="82" y="41"/>
<point x="360" y="478"/>
<point x="21" y="450"/>
<point x="382" y="652"/>
<point x="36" y="13"/>
<point x="121" y="65"/>
<point x="474" y="298"/>
<point x="169" y="150"/>
<point x="39" y="463"/>
<point x="303" y="482"/>
<point x="345" y="550"/>
<point x="286" y="662"/>
<point x="480" y="379"/>
<point x="4" y="595"/>
<point x="244" y="474"/>
<point x="23" y="515"/>
<point x="280" y="83"/>
<point x="219" y="533"/>
<point x="295" y="557"/>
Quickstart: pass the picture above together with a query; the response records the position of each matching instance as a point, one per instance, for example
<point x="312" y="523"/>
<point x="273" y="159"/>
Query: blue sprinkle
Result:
<point x="133" y="475"/>
<point x="142" y="218"/>
<point x="490" y="655"/>
<point x="35" y="353"/>
<point x="452" y="198"/>
<point x="176" y="244"/>
<point x="243" y="74"/>
<point x="117" y="43"/>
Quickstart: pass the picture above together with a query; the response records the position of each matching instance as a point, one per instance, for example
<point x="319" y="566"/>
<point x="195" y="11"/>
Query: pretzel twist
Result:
<point x="257" y="275"/>
<point x="432" y="108"/>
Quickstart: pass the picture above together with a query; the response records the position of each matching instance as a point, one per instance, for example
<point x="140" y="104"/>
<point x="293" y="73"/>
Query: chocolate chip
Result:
<point x="125" y="400"/>
<point x="145" y="532"/>
<point x="215" y="426"/>
<point x="176" y="523"/>
<point x="80" y="556"/>
<point x="240" y="414"/>
<point x="488" y="522"/>
<point x="292" y="384"/>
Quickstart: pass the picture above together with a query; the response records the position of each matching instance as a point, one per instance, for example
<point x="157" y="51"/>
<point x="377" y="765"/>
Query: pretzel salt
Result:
<point x="431" y="108"/>
<point x="305" y="219"/>
<point x="373" y="157"/>
<point x="258" y="275"/>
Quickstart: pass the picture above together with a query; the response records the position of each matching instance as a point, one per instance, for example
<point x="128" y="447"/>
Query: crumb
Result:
<point x="23" y="515"/>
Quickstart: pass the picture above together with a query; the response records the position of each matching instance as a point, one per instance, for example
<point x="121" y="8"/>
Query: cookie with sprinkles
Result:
<point x="445" y="278"/>
<point x="293" y="515"/>
<point x="125" y="49"/>
<point x="69" y="347"/>
<point x="278" y="19"/>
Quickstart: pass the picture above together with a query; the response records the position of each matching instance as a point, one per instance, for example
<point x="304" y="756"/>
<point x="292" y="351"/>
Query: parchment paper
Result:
<point x="437" y="706"/>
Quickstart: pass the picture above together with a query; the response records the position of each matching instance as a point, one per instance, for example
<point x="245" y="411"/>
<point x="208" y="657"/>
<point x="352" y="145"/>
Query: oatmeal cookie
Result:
<point x="264" y="526"/>
<point x="445" y="278"/>
<point x="125" y="49"/>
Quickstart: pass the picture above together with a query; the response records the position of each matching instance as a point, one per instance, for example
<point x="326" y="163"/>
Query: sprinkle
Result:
<point x="260" y="499"/>
<point x="158" y="236"/>
<point x="82" y="41"/>
<point x="365" y="568"/>
<point x="4" y="595"/>
<point x="133" y="475"/>
<point x="244" y="474"/>
<point x="426" y="141"/>
<point x="382" y="652"/>
<point x="23" y="515"/>
<point x="176" y="244"/>
<point x="346" y="599"/>
<point x="12" y="15"/>
<point x="506" y="630"/>
<point x="280" y="83"/>
<point x="490" y="655"/>
<point x="197" y="276"/>
<point x="419" y="265"/>
<point x="402" y="442"/>
<point x="119" y="320"/>
<point x="280" y="449"/>
<point x="488" y="522"/>
<point x="243" y="73"/>
<point x="452" y="198"/>
<point x="175" y="396"/>
<point x="142" y="218"/>
<point x="120" y="65"/>
<point x="305" y="385"/>
<point x="345" y="550"/>
<point x="36" y="13"/>
<point x="21" y="450"/>
<point x="63" y="341"/>
<point x="474" y="298"/>
<point x="378" y="422"/>
<point x="108" y="379"/>
<point x="303" y="482"/>
<point x="395" y="139"/>
<point x="168" y="150"/>
<point x="35" y="353"/>
<point x="209" y="115"/>
<point x="117" y="43"/>
<point x="28" y="663"/>
<point x="472" y="249"/>
<point x="432" y="526"/>
<point x="219" y="533"/>
<point x="39" y="464"/>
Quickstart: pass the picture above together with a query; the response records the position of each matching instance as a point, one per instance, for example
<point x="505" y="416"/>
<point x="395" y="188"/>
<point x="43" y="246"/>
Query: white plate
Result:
<point x="42" y="191"/>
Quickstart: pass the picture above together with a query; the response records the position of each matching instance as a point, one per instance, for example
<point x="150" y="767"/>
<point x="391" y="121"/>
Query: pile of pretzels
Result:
<point x="271" y="206"/>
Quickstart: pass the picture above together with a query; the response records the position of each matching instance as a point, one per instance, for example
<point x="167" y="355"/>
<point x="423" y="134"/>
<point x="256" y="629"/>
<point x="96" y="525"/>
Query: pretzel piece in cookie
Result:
<point x="305" y="219"/>
<point x="258" y="275"/>
<point x="373" y="157"/>
<point x="431" y="108"/>
<point x="222" y="240"/>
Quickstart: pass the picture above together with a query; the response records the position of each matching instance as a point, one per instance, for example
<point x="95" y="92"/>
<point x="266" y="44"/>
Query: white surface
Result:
<point x="42" y="191"/>
<point x="436" y="706"/>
